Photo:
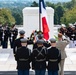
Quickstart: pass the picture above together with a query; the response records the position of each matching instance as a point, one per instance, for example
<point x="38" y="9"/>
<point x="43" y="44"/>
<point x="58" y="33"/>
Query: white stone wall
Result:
<point x="31" y="19"/>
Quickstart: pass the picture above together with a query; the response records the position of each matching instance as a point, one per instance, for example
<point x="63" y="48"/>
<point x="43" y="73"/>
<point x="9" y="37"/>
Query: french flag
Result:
<point x="42" y="11"/>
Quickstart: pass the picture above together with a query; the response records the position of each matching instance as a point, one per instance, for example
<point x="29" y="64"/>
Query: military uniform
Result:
<point x="75" y="34"/>
<point x="1" y="32"/>
<point x="63" y="29"/>
<point x="38" y="56"/>
<point x="70" y="35"/>
<point x="61" y="44"/>
<point x="23" y="59"/>
<point x="53" y="58"/>
<point x="74" y="37"/>
<point x="5" y="37"/>
<point x="17" y="42"/>
<point x="13" y="36"/>
<point x="46" y="43"/>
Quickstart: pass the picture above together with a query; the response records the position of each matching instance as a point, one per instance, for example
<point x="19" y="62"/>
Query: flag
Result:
<point x="42" y="11"/>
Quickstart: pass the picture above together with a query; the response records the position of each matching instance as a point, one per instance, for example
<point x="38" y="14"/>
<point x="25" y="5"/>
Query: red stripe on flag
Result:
<point x="45" y="28"/>
<point x="46" y="35"/>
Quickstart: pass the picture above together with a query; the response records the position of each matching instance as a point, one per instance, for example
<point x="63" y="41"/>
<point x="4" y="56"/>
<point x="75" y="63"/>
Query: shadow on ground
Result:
<point x="32" y="73"/>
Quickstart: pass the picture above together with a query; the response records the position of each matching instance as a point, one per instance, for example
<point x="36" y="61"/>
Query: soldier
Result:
<point x="5" y="36"/>
<point x="69" y="34"/>
<point x="23" y="58"/>
<point x="13" y="35"/>
<point x="75" y="25"/>
<point x="75" y="33"/>
<point x="46" y="44"/>
<point x="1" y="32"/>
<point x="53" y="57"/>
<point x="61" y="44"/>
<point x="17" y="42"/>
<point x="73" y="37"/>
<point x="40" y="36"/>
<point x="39" y="57"/>
<point x="62" y="29"/>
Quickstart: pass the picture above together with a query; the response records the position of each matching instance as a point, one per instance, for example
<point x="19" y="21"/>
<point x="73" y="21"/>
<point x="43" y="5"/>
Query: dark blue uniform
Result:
<point x="39" y="58"/>
<point x="12" y="36"/>
<point x="53" y="57"/>
<point x="1" y="34"/>
<point x="17" y="44"/>
<point x="5" y="35"/>
<point x="23" y="60"/>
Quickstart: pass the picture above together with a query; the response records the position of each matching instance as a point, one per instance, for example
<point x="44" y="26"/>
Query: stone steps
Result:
<point x="32" y="73"/>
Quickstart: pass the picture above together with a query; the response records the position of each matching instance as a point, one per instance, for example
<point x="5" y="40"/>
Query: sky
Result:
<point x="38" y="0"/>
<point x="52" y="0"/>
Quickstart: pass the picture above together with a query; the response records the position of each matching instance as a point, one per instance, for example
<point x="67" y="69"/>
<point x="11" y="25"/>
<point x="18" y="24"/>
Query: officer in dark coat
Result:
<point x="5" y="35"/>
<point x="23" y="58"/>
<point x="1" y="32"/>
<point x="40" y="36"/>
<point x="69" y="31"/>
<point x="73" y="36"/>
<point x="17" y="42"/>
<point x="45" y="43"/>
<point x="53" y="57"/>
<point x="62" y="29"/>
<point x="75" y="25"/>
<point x="39" y="57"/>
<point x="13" y="35"/>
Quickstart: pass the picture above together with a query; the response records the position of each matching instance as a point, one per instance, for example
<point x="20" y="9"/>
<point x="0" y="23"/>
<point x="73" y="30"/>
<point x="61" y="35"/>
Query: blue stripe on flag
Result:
<point x="43" y="5"/>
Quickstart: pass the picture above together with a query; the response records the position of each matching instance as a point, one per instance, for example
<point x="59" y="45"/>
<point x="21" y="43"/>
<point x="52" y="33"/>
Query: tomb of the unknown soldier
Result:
<point x="31" y="23"/>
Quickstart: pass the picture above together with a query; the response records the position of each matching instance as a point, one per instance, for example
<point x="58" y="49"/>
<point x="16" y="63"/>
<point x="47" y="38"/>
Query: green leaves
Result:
<point x="69" y="16"/>
<point x="6" y="16"/>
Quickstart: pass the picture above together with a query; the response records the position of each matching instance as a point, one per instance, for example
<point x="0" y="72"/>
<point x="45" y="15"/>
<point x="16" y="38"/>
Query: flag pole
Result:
<point x="43" y="19"/>
<point x="39" y="22"/>
<point x="39" y="17"/>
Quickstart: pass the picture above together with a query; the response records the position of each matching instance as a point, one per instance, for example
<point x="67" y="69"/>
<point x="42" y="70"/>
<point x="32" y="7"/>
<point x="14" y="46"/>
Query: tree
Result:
<point x="49" y="4"/>
<point x="73" y="3"/>
<point x="18" y="18"/>
<point x="6" y="16"/>
<point x="69" y="16"/>
<point x="59" y="12"/>
<point x="17" y="14"/>
<point x="34" y="4"/>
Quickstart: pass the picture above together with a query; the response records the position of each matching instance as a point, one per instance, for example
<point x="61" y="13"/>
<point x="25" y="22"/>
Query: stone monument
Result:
<point x="31" y="20"/>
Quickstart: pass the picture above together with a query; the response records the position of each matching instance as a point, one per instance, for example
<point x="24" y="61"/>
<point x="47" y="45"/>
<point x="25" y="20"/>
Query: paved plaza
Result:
<point x="8" y="64"/>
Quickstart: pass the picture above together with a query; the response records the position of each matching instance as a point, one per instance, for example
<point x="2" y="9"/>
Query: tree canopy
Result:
<point x="64" y="12"/>
<point x="69" y="16"/>
<point x="6" y="16"/>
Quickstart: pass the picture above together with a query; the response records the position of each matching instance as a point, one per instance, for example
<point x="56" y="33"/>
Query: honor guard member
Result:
<point x="75" y="33"/>
<point x="39" y="37"/>
<point x="17" y="42"/>
<point x="53" y="57"/>
<point x="74" y="36"/>
<point x="62" y="29"/>
<point x="23" y="58"/>
<point x="70" y="32"/>
<point x="39" y="57"/>
<point x="61" y="45"/>
<point x="75" y="25"/>
<point x="45" y="43"/>
<point x="1" y="32"/>
<point x="5" y="36"/>
<point x="13" y="35"/>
